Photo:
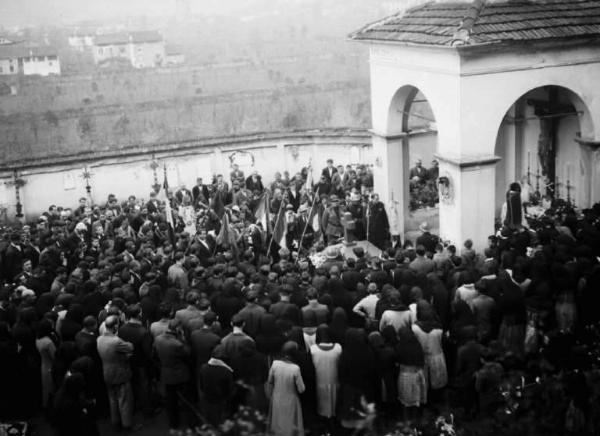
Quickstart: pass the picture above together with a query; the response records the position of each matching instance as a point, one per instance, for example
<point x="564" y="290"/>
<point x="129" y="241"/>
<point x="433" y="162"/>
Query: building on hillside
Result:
<point x="4" y="40"/>
<point x="174" y="56"/>
<point x="28" y="60"/>
<point x="144" y="49"/>
<point x="82" y="40"/>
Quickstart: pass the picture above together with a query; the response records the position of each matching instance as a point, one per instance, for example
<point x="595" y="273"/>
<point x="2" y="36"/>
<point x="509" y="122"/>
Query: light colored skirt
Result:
<point x="412" y="386"/>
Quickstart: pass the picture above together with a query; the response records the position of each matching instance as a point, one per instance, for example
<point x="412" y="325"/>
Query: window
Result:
<point x="1" y="70"/>
<point x="51" y="58"/>
<point x="139" y="49"/>
<point x="50" y="63"/>
<point x="122" y="50"/>
<point x="12" y="69"/>
<point x="100" y="51"/>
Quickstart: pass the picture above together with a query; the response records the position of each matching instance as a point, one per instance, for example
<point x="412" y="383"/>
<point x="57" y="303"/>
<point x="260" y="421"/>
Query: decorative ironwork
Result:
<point x="87" y="175"/>
<point x="154" y="165"/>
<point x="18" y="183"/>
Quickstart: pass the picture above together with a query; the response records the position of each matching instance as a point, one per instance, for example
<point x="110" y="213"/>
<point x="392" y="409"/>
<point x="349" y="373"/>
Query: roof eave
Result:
<point x="400" y="43"/>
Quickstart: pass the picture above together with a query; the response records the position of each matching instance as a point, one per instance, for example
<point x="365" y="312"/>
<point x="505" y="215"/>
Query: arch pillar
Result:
<point x="391" y="166"/>
<point x="468" y="212"/>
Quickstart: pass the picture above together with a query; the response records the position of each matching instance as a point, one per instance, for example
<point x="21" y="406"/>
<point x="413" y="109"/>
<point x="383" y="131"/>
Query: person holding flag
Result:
<point x="164" y="197"/>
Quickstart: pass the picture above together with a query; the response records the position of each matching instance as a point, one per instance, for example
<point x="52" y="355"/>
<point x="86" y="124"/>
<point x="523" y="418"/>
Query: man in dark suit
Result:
<point x="203" y="247"/>
<point x="152" y="204"/>
<point x="426" y="239"/>
<point x="134" y="332"/>
<point x="12" y="262"/>
<point x="254" y="182"/>
<point x="236" y="174"/>
<point x="418" y="173"/>
<point x="329" y="171"/>
<point x="173" y="354"/>
<point x="294" y="194"/>
<point x="200" y="193"/>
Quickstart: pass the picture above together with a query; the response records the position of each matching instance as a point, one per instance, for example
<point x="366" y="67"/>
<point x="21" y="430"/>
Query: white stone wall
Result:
<point x="62" y="184"/>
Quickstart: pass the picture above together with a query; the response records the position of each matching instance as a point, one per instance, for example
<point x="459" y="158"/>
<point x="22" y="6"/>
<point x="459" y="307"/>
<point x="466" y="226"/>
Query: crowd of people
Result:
<point x="188" y="304"/>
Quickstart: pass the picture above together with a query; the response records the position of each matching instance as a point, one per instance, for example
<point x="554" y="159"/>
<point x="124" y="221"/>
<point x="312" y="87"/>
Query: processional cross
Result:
<point x="18" y="183"/>
<point x="87" y="175"/>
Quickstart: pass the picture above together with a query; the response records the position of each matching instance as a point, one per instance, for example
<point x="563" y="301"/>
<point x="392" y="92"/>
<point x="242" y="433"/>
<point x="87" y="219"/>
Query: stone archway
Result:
<point x="540" y="138"/>
<point x="401" y="134"/>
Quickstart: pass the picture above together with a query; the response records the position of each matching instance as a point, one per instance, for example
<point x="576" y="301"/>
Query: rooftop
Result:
<point x="479" y="22"/>
<point x="13" y="51"/>
<point x="138" y="37"/>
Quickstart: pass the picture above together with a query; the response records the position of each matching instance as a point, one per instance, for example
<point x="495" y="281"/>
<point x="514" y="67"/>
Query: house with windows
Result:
<point x="28" y="60"/>
<point x="143" y="49"/>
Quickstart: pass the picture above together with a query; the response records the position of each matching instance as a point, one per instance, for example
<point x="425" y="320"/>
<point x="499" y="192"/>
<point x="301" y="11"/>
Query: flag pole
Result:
<point x="307" y="223"/>
<point x="274" y="227"/>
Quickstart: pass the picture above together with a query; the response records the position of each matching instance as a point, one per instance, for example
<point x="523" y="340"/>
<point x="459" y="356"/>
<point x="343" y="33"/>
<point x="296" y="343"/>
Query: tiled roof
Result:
<point x="485" y="21"/>
<point x="14" y="51"/>
<point x="146" y="36"/>
<point x="125" y="37"/>
<point x="112" y="39"/>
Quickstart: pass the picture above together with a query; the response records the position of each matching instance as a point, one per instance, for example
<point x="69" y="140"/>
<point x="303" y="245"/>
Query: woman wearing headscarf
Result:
<point x="28" y="374"/>
<point x="302" y="358"/>
<point x="514" y="315"/>
<point x="9" y="366"/>
<point x="284" y="385"/>
<point x="356" y="374"/>
<point x="309" y="330"/>
<point x="71" y="417"/>
<point x="428" y="331"/>
<point x="338" y="326"/>
<point x="269" y="339"/>
<point x="439" y="298"/>
<point x="47" y="349"/>
<point x="73" y="322"/>
<point x="397" y="315"/>
<point x="250" y="368"/>
<point x="412" y="385"/>
<point x="325" y="356"/>
<point x="387" y="374"/>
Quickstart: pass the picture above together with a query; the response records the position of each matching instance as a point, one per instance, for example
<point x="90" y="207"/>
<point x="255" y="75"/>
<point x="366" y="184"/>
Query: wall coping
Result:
<point x="469" y="161"/>
<point x="189" y="144"/>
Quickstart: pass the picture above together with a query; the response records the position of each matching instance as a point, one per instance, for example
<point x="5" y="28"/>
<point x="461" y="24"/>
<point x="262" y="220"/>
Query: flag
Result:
<point x="218" y="205"/>
<point x="314" y="219"/>
<point x="280" y="228"/>
<point x="168" y="211"/>
<point x="262" y="213"/>
<point x="309" y="178"/>
<point x="227" y="236"/>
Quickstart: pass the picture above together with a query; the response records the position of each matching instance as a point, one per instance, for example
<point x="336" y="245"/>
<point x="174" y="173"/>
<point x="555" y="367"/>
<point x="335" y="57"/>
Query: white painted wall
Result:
<point x="63" y="184"/>
<point x="41" y="65"/>
<point x="469" y="95"/>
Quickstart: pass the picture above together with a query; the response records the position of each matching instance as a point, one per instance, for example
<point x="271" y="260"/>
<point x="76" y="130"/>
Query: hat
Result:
<point x="331" y="253"/>
<point x="27" y="292"/>
<point x="358" y="251"/>
<point x="289" y="207"/>
<point x="424" y="227"/>
<point x="354" y="196"/>
<point x="334" y="197"/>
<point x="235" y="208"/>
<point x="284" y="252"/>
<point x="302" y="209"/>
<point x="80" y="226"/>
